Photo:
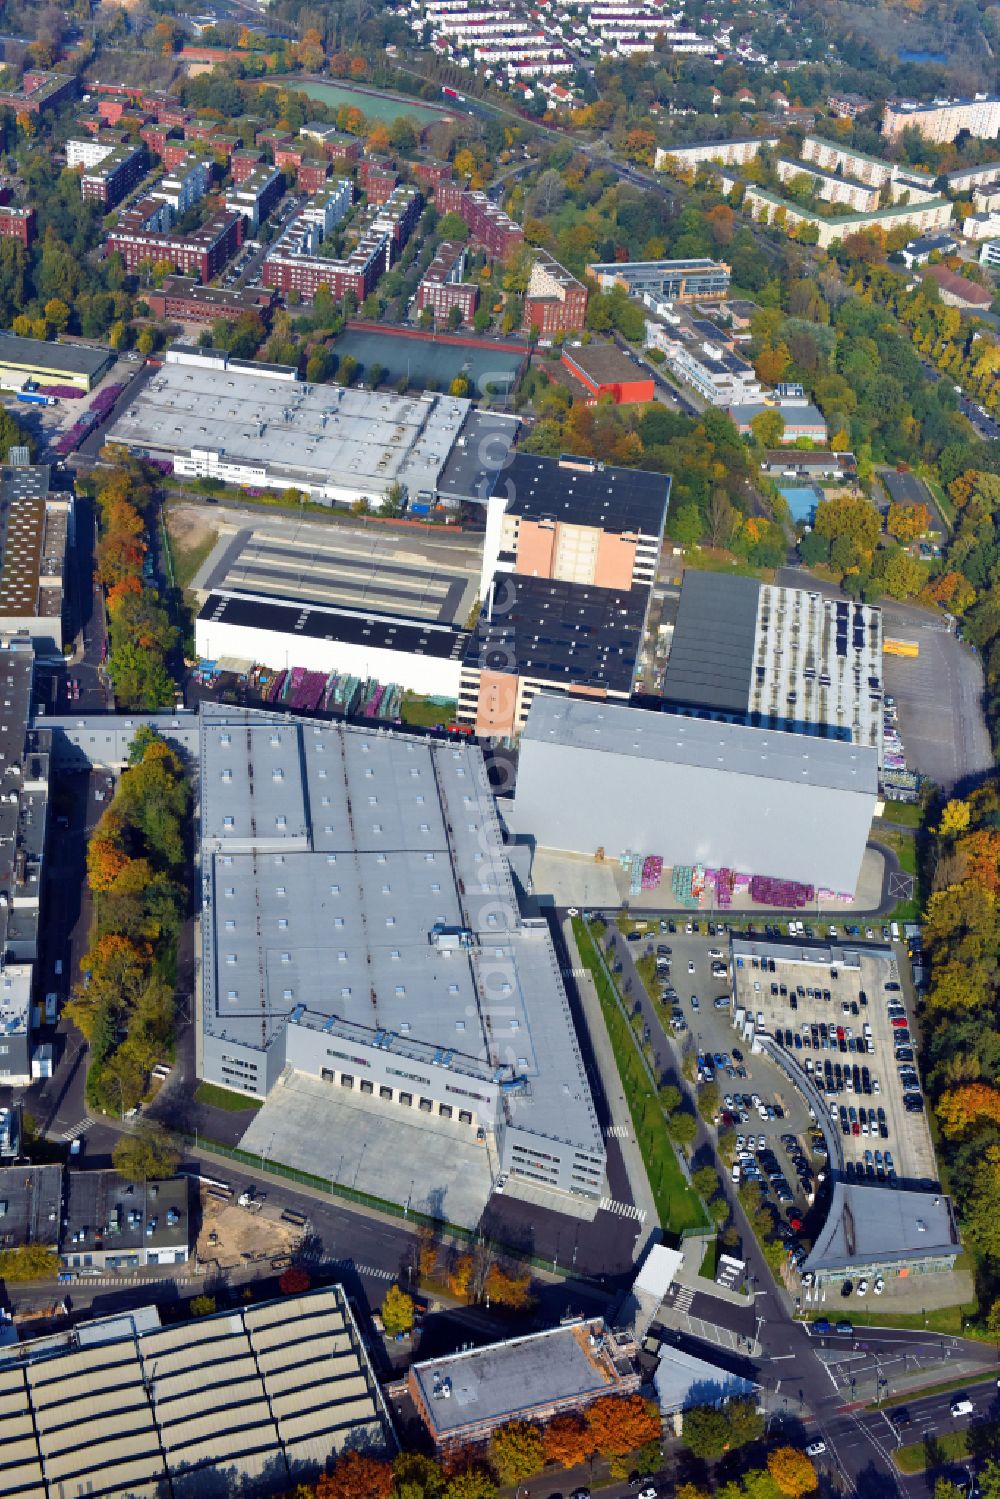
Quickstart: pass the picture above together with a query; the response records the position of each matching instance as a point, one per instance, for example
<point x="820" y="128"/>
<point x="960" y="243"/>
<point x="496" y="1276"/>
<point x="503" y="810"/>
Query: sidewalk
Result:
<point x="621" y="1117"/>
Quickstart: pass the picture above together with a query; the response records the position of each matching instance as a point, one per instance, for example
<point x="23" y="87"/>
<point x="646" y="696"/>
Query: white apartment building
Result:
<point x="857" y="196"/>
<point x="711" y="368"/>
<point x="972" y="177"/>
<point x="943" y="119"/>
<point x="986" y="200"/>
<point x="766" y="207"/>
<point x="729" y="153"/>
<point x="89" y="152"/>
<point x="981" y="226"/>
<point x="870" y="170"/>
<point x="326" y="208"/>
<point x="990" y="253"/>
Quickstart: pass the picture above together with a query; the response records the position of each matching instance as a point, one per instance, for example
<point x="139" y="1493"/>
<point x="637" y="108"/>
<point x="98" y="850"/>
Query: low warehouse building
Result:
<point x="695" y="792"/>
<point x="251" y="1401"/>
<point x="872" y="1232"/>
<point x="24" y="359"/>
<point x="604" y="370"/>
<point x="462" y="1399"/>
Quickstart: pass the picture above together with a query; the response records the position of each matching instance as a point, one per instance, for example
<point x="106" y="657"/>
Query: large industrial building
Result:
<point x="668" y="280"/>
<point x="338" y="600"/>
<point x="776" y="658"/>
<point x="250" y="1401"/>
<point x="247" y="424"/>
<point x="360" y="926"/>
<point x="694" y="791"/>
<point x="34" y="530"/>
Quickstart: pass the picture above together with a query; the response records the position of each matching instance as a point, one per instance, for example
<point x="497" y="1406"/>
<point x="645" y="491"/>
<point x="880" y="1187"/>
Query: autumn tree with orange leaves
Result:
<point x="356" y="1476"/>
<point x="792" y="1471"/>
<point x="959" y="1109"/>
<point x="617" y="1424"/>
<point x="567" y="1440"/>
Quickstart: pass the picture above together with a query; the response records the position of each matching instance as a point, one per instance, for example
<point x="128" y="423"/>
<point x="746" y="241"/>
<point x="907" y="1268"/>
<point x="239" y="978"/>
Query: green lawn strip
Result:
<point x="215" y="1097"/>
<point x="710" y="1263"/>
<point x="677" y="1204"/>
<point x="901" y="814"/>
<point x="946" y="1319"/>
<point x="917" y="1456"/>
<point x="708" y="561"/>
<point x="944" y="502"/>
<point x="187" y="560"/>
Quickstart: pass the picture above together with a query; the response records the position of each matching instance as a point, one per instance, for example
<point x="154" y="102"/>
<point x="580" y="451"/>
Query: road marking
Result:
<point x="776" y="1358"/>
<point x="76" y="1130"/>
<point x="617" y="1132"/>
<point x="683" y="1299"/>
<point x="623" y="1209"/>
<point x="375" y="1271"/>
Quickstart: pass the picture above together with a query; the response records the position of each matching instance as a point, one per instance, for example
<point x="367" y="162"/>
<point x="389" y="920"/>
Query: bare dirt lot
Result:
<point x="232" y="1236"/>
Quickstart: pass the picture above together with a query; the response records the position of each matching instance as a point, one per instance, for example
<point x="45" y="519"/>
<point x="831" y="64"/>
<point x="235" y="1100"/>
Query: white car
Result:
<point x="649" y="1493"/>
<point x="690" y="967"/>
<point x="500" y="1182"/>
<point x="879" y="1286"/>
<point x="862" y="1288"/>
<point x="815" y="1449"/>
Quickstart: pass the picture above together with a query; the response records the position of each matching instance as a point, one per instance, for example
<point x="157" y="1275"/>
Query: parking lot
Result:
<point x="840" y="1009"/>
<point x="938" y="696"/>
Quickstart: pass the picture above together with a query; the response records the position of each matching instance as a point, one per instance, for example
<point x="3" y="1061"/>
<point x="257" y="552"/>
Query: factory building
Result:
<point x="695" y="792"/>
<point x="24" y="359"/>
<point x="251" y="1400"/>
<point x="250" y="424"/>
<point x="393" y="961"/>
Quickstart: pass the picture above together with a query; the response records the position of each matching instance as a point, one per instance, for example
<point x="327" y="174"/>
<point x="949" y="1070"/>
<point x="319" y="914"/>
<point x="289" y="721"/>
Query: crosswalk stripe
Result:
<point x="623" y="1209"/>
<point x="683" y="1299"/>
<point x="76" y="1130"/>
<point x="375" y="1271"/>
<point x="617" y="1132"/>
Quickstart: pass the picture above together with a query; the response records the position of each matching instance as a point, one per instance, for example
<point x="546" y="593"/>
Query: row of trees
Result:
<point x="613" y="1427"/>
<point x="142" y="635"/>
<point x="136" y="872"/>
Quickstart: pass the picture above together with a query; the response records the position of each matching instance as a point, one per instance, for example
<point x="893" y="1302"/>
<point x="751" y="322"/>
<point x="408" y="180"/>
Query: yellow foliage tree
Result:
<point x="792" y="1471"/>
<point x="954" y="819"/>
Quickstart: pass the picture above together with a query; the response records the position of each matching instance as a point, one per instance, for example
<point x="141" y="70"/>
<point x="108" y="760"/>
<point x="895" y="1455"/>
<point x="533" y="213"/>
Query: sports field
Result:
<point x="373" y="106"/>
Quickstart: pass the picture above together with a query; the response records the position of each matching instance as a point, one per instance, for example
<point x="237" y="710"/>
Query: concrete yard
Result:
<point x="939" y="699"/>
<point x="340" y="1137"/>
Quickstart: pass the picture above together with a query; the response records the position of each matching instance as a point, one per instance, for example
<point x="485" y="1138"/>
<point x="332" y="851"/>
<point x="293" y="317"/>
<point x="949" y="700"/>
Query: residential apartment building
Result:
<point x="242" y="164"/>
<point x="727" y="153"/>
<point x="89" y="151"/>
<point x="766" y="206"/>
<point x="202" y="253"/>
<point x="256" y="195"/>
<point x="967" y="178"/>
<point x="703" y="356"/>
<point x="987" y="199"/>
<point x="555" y="301"/>
<point x="185" y="186"/>
<point x="858" y="165"/>
<point x="990" y="253"/>
<point x="857" y="196"/>
<point x="442" y="286"/>
<point x="328" y="207"/>
<point x="487" y="224"/>
<point x="377" y="178"/>
<point x="311" y="176"/>
<point x="944" y="119"/>
<point x="292" y="265"/>
<point x="114" y="177"/>
<point x="39" y="91"/>
<point x="17" y="223"/>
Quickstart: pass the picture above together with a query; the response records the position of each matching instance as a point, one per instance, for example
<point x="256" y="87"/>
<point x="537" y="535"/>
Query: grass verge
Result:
<point x="710" y="1263"/>
<point x="185" y="561"/>
<point x="902" y="815"/>
<point x="677" y="1204"/>
<point x="215" y="1097"/>
<point x="916" y="1456"/>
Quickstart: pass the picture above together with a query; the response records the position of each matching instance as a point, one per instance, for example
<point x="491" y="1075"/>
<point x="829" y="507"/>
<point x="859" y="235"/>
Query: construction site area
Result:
<point x="233" y="1234"/>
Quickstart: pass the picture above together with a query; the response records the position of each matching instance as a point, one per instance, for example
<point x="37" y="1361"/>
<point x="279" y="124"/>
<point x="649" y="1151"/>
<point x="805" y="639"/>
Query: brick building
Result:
<point x="312" y="176"/>
<point x="288" y="269"/>
<point x="288" y="158"/>
<point x="183" y="299"/>
<point x="17" y="223"/>
<point x="604" y="370"/>
<point x="243" y="163"/>
<point x="378" y="178"/>
<point x="155" y="136"/>
<point x="202" y="253"/>
<point x="555" y="301"/>
<point x="336" y="144"/>
<point x="443" y="288"/>
<point x="39" y="91"/>
<point x="430" y="173"/>
<point x="174" y="153"/>
<point x="113" y="178"/>
<point x="487" y="224"/>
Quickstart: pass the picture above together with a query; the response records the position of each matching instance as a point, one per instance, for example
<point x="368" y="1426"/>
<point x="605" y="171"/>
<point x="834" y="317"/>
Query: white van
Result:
<point x="894" y="929"/>
<point x="962" y="1407"/>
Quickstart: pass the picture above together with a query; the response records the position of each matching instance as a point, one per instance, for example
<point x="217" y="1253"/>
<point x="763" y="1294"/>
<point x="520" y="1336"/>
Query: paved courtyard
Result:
<point x="342" y="1138"/>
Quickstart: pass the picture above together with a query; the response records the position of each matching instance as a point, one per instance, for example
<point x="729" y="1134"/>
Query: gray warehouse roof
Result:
<point x="487" y="1386"/>
<point x="711" y="658"/>
<point x="870" y="1225"/>
<point x="355" y="844"/>
<point x="34" y="353"/>
<point x="735" y="748"/>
